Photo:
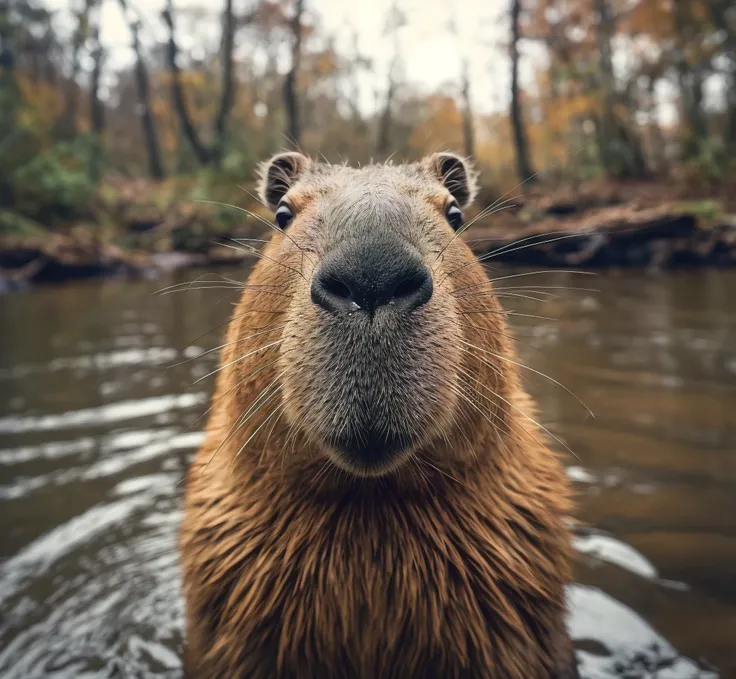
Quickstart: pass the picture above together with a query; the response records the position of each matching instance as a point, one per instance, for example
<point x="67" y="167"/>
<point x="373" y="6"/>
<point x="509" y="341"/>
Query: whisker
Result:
<point x="532" y="420"/>
<point x="519" y="275"/>
<point x="490" y="210"/>
<point x="323" y="470"/>
<point x="539" y="290"/>
<point x="506" y="313"/>
<point x="251" y="250"/>
<point x="241" y="358"/>
<point x="534" y="370"/>
<point x="227" y="344"/>
<point x="420" y="472"/>
<point x="188" y="284"/>
<point x="270" y="433"/>
<point x="241" y="420"/>
<point x="236" y="386"/>
<point x="255" y="216"/>
<point x="278" y="312"/>
<point x="499" y="201"/>
<point x="202" y="287"/>
<point x="517" y="295"/>
<point x="251" y="240"/>
<point x="504" y="250"/>
<point x="497" y="332"/>
<point x="441" y="471"/>
<point x="505" y="429"/>
<point x="252" y="195"/>
<point x="258" y="428"/>
<point x="518" y="241"/>
<point x="486" y="416"/>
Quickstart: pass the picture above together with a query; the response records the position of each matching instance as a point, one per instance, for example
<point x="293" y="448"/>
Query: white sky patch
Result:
<point x="437" y="37"/>
<point x="432" y="53"/>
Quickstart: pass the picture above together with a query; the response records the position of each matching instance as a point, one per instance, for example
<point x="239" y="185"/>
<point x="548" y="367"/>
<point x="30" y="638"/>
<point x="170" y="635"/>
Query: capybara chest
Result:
<point x="398" y="593"/>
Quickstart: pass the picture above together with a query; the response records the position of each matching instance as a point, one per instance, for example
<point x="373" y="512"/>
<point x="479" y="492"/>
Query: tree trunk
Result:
<point x="468" y="136"/>
<point x="97" y="109"/>
<point x="523" y="164"/>
<point x="386" y="123"/>
<point x="620" y="149"/>
<point x="149" y="128"/>
<point x="202" y="153"/>
<point x="72" y="107"/>
<point x="719" y="10"/>
<point x="227" y="92"/>
<point x="6" y="54"/>
<point x="291" y="100"/>
<point x="50" y="72"/>
<point x="656" y="138"/>
<point x="8" y="100"/>
<point x="607" y="132"/>
<point x="690" y="82"/>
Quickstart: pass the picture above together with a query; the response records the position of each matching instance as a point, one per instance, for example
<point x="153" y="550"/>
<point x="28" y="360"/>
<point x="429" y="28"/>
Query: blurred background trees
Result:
<point x="625" y="89"/>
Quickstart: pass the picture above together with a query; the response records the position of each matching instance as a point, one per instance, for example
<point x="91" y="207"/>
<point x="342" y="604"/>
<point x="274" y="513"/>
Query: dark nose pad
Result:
<point x="360" y="276"/>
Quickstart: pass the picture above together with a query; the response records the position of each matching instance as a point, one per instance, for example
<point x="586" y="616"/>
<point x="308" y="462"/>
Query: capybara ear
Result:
<point x="279" y="174"/>
<point x="457" y="175"/>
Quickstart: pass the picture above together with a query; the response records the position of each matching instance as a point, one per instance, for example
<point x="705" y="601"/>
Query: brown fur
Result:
<point x="450" y="564"/>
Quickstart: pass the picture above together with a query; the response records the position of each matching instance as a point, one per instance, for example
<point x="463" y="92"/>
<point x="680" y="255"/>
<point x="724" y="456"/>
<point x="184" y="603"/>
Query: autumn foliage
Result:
<point x="618" y="88"/>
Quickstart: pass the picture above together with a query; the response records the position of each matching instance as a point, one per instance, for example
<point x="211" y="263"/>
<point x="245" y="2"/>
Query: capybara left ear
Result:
<point x="457" y="175"/>
<point x="279" y="174"/>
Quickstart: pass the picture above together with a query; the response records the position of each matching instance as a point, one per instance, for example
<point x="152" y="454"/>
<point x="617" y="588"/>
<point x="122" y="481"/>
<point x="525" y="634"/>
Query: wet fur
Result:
<point x="450" y="565"/>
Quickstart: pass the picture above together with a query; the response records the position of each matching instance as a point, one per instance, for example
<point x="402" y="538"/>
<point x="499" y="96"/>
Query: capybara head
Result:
<point x="380" y="302"/>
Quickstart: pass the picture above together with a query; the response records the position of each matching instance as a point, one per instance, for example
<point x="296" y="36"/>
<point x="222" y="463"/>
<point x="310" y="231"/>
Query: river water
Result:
<point x="97" y="428"/>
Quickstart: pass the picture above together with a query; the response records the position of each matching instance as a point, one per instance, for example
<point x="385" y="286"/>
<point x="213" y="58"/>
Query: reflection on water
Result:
<point x="96" y="431"/>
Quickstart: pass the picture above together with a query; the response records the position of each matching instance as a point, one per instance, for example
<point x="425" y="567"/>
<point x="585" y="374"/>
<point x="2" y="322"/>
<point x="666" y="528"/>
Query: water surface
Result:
<point x="97" y="428"/>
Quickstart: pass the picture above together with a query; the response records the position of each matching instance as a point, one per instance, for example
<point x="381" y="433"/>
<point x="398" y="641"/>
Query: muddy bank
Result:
<point x="138" y="232"/>
<point x="612" y="224"/>
<point x="619" y="236"/>
<point x="57" y="259"/>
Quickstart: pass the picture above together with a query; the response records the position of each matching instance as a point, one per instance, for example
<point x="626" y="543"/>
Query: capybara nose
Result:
<point x="369" y="274"/>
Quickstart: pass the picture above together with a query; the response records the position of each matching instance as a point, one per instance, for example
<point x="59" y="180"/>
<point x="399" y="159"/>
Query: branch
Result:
<point x="203" y="153"/>
<point x="227" y="93"/>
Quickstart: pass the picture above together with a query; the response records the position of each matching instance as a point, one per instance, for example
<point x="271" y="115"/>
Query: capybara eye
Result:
<point x="284" y="215"/>
<point x="454" y="216"/>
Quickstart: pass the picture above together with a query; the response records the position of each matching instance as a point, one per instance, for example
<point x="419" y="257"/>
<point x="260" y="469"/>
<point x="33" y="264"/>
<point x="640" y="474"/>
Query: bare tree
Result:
<point x="227" y="95"/>
<point x="523" y="164"/>
<point x="206" y="153"/>
<point x="155" y="165"/>
<point x="604" y="34"/>
<point x="386" y="123"/>
<point x="396" y="19"/>
<point x="468" y="136"/>
<point x="724" y="19"/>
<point x="690" y="79"/>
<point x="97" y="109"/>
<point x="78" y="39"/>
<point x="355" y="64"/>
<point x="6" y="54"/>
<point x="147" y="120"/>
<point x="180" y="105"/>
<point x="619" y="148"/>
<point x="291" y="100"/>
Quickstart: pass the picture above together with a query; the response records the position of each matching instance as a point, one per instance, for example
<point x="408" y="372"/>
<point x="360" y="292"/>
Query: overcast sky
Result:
<point x="433" y="55"/>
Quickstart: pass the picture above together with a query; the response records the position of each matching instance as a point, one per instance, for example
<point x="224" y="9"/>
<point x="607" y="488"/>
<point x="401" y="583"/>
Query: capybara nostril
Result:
<point x="364" y="275"/>
<point x="415" y="290"/>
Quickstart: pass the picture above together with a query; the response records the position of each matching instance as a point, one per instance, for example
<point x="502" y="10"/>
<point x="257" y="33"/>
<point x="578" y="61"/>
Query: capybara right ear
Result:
<point x="279" y="174"/>
<point x="455" y="174"/>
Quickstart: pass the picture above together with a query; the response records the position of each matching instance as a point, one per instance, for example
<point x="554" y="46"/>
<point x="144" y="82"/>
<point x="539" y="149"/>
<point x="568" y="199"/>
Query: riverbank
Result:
<point x="135" y="228"/>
